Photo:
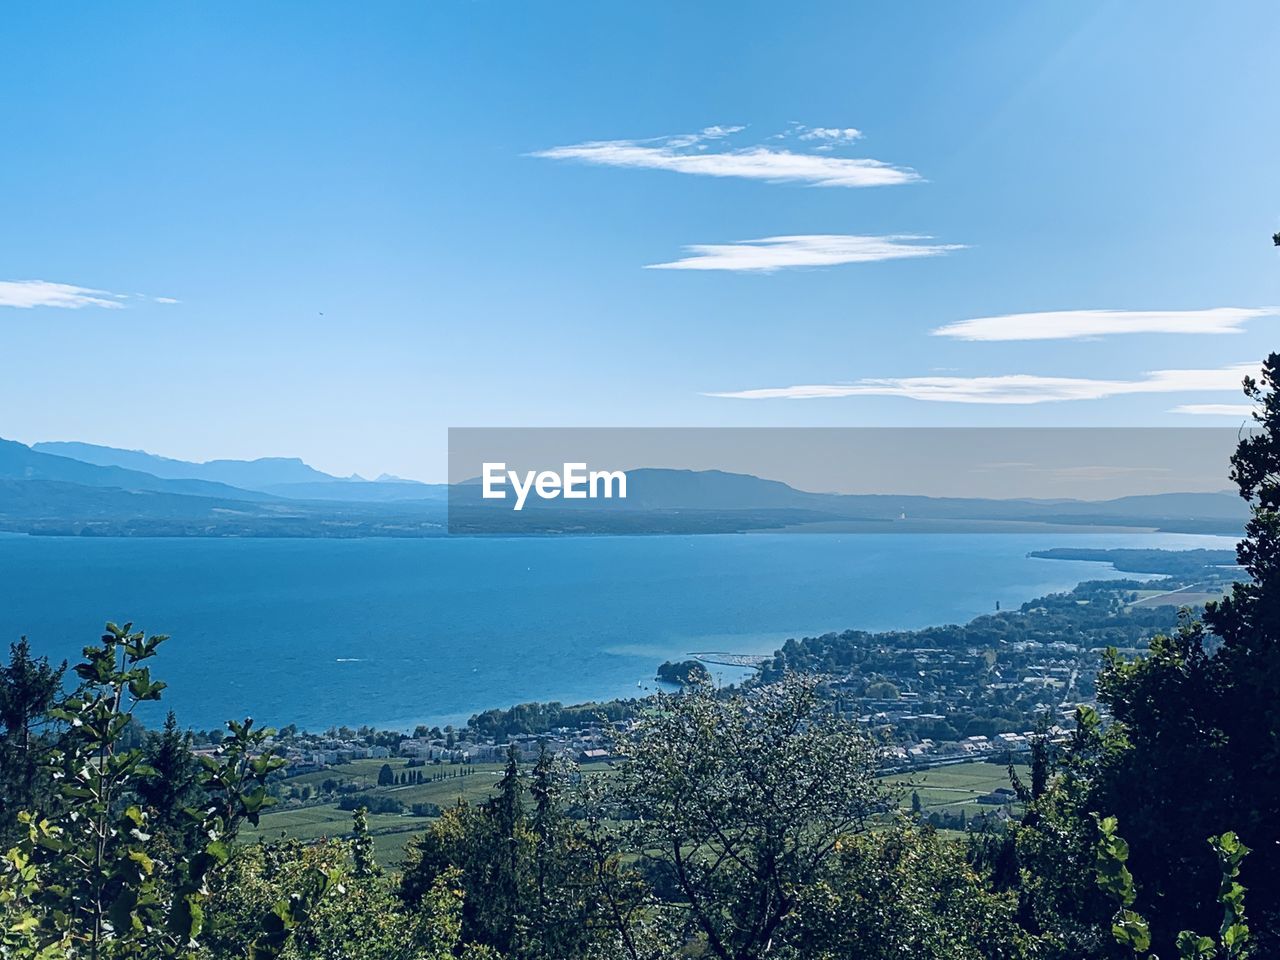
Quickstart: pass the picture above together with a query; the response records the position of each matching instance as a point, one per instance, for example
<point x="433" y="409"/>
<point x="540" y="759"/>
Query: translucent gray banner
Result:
<point x="575" y="481"/>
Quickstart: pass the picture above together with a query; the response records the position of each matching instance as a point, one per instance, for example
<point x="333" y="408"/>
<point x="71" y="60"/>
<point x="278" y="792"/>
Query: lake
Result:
<point x="398" y="632"/>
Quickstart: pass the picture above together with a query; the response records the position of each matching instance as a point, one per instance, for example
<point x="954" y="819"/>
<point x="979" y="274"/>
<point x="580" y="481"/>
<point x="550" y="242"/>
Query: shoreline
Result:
<point x="742" y="596"/>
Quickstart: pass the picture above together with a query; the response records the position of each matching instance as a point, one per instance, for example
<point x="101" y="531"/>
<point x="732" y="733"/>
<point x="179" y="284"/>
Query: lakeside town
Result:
<point x="932" y="698"/>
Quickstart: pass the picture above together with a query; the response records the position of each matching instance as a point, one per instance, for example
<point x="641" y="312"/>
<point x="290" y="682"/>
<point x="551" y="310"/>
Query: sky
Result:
<point x="335" y="230"/>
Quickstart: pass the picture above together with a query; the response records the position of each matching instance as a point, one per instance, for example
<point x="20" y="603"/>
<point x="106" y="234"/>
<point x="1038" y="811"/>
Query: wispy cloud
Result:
<point x="822" y="139"/>
<point x="1082" y="324"/>
<point x="699" y="139"/>
<point x="813" y="250"/>
<point x="693" y="153"/>
<point x="1215" y="409"/>
<point x="830" y="134"/>
<point x="26" y="294"/>
<point x="1017" y="389"/>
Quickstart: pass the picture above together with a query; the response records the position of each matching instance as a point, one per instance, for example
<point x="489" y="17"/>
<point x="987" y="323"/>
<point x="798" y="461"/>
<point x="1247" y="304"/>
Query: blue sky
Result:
<point x="379" y="221"/>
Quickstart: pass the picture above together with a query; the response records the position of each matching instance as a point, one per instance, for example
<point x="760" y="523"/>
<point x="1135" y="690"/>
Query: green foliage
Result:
<point x="1197" y="737"/>
<point x="742" y="802"/>
<point x="327" y="901"/>
<point x="1128" y="928"/>
<point x="1050" y="858"/>
<point x="682" y="672"/>
<point x="29" y="687"/>
<point x="529" y="878"/>
<point x="882" y="690"/>
<point x="539" y="718"/>
<point x="172" y="788"/>
<point x="364" y="865"/>
<point x="905" y="892"/>
<point x="91" y="880"/>
<point x="1131" y="930"/>
<point x="1233" y="933"/>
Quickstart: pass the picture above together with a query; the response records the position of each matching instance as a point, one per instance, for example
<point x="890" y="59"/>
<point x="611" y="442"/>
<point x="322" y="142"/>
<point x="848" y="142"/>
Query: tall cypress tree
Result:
<point x="29" y="687"/>
<point x="173" y="786"/>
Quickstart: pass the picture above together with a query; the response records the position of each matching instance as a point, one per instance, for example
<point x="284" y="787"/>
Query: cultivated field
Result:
<point x="955" y="788"/>
<point x="391" y="831"/>
<point x="941" y="789"/>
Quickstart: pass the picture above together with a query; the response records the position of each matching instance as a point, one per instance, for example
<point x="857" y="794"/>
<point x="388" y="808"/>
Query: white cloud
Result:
<point x="814" y="250"/>
<point x="1215" y="409"/>
<point x="691" y="154"/>
<point x="1017" y="389"/>
<point x="1078" y="324"/>
<point x="831" y="134"/>
<point x="26" y="294"/>
<point x="692" y="139"/>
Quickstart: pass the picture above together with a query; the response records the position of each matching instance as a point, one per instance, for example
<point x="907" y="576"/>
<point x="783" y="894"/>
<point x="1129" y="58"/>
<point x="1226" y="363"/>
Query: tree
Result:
<point x="364" y="864"/>
<point x="743" y="801"/>
<point x="490" y="847"/>
<point x="170" y="788"/>
<point x="1132" y="931"/>
<point x="1197" y="737"/>
<point x="386" y="776"/>
<point x="565" y="916"/>
<point x="332" y="910"/>
<point x="905" y="892"/>
<point x="88" y="882"/>
<point x="531" y="879"/>
<point x="28" y="689"/>
<point x="1245" y="672"/>
<point x="882" y="690"/>
<point x="467" y="840"/>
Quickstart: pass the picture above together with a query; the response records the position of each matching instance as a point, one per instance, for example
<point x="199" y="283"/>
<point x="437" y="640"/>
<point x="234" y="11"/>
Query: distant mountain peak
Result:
<point x="288" y="477"/>
<point x="247" y="474"/>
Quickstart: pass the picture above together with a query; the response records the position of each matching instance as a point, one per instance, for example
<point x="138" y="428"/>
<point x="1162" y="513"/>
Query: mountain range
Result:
<point x="69" y="488"/>
<point x="281" y="476"/>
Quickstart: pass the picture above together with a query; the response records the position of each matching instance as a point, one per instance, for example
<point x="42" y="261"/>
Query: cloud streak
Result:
<point x="1215" y="409"/>
<point x="810" y="250"/>
<point x="1089" y="324"/>
<point x="27" y="294"/>
<point x="831" y="134"/>
<point x="693" y="154"/>
<point x="1013" y="389"/>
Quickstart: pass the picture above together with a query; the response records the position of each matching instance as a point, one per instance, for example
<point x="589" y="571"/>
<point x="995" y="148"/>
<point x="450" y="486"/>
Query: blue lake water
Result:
<point x="396" y="632"/>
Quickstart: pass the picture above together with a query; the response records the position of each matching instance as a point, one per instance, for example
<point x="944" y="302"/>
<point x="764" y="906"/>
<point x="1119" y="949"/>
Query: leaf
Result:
<point x="1191" y="946"/>
<point x="1131" y="930"/>
<point x="121" y="910"/>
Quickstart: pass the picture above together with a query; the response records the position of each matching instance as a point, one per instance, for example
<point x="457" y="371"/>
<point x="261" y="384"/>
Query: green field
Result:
<point x="390" y="831"/>
<point x="955" y="788"/>
<point x="942" y="789"/>
<point x="1195" y="595"/>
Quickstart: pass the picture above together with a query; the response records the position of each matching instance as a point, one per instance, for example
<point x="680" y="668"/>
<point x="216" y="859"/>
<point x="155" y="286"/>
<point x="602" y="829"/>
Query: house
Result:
<point x="999" y="797"/>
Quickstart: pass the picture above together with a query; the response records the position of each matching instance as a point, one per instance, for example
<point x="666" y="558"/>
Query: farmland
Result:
<point x="947" y="789"/>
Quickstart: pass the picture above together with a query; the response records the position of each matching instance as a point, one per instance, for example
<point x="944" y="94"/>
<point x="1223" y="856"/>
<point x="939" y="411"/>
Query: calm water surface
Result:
<point x="396" y="632"/>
